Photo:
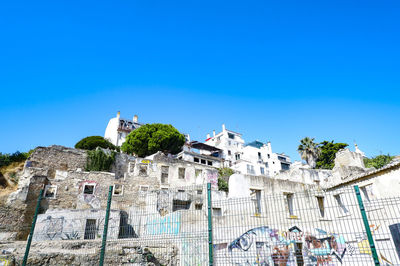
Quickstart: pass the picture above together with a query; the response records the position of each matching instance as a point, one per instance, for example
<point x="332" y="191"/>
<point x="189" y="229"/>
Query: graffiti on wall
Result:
<point x="4" y="262"/>
<point x="54" y="227"/>
<point x="168" y="224"/>
<point x="212" y="177"/>
<point x="266" y="246"/>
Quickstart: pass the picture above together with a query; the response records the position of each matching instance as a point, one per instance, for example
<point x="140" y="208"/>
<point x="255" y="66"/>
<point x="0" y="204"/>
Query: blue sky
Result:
<point x="272" y="70"/>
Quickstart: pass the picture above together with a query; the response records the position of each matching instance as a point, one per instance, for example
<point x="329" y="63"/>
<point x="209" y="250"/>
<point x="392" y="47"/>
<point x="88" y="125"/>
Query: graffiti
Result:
<point x="212" y="177"/>
<point x="145" y="161"/>
<point x="4" y="262"/>
<point x="266" y="246"/>
<point x="71" y="236"/>
<point x="194" y="253"/>
<point x="54" y="227"/>
<point x="163" y="202"/>
<point x="169" y="224"/>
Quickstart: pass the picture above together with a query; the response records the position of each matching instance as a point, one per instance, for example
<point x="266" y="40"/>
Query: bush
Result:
<point x="223" y="177"/>
<point x="378" y="161"/>
<point x="151" y="138"/>
<point x="222" y="185"/>
<point x="7" y="159"/>
<point x="92" y="142"/>
<point x="98" y="160"/>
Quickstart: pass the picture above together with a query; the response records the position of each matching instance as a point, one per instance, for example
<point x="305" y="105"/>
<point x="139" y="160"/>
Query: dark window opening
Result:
<point x="203" y="161"/>
<point x="198" y="206"/>
<point x="209" y="163"/>
<point x="88" y="189"/>
<point x="180" y="205"/>
<point x="196" y="160"/>
<point x="90" y="229"/>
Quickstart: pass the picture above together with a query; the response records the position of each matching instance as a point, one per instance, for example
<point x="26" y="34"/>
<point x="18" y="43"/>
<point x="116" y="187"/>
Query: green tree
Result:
<point x="92" y="142"/>
<point x="151" y="138"/>
<point x="309" y="151"/>
<point x="223" y="177"/>
<point x="378" y="161"/>
<point x="328" y="150"/>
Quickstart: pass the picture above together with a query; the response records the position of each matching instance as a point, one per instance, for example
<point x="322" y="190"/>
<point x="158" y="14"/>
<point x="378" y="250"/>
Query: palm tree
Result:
<point x="309" y="151"/>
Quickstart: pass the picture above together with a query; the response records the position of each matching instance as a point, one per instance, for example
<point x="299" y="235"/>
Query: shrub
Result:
<point x="98" y="160"/>
<point x="7" y="159"/>
<point x="378" y="161"/>
<point x="92" y="142"/>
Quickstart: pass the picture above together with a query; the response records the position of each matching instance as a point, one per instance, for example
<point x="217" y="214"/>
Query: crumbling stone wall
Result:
<point x="57" y="158"/>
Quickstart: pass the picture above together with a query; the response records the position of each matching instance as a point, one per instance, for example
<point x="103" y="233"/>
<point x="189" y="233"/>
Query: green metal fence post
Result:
<point x="366" y="225"/>
<point x="210" y="240"/>
<point x="28" y="244"/>
<point x="104" y="240"/>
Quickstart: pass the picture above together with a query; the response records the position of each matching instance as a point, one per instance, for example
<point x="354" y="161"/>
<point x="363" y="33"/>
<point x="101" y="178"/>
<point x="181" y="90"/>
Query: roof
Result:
<point x="203" y="146"/>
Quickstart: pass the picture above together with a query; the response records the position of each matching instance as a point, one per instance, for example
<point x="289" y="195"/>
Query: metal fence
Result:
<point x="199" y="226"/>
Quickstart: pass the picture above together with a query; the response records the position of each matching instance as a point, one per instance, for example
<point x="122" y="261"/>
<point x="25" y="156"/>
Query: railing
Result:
<point x="198" y="226"/>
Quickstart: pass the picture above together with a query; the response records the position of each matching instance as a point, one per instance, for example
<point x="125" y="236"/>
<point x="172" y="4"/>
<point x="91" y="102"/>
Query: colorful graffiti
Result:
<point x="266" y="246"/>
<point x="212" y="177"/>
<point x="169" y="224"/>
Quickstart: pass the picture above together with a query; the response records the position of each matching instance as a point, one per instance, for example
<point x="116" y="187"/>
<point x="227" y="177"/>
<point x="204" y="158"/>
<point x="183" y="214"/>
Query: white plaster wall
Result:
<point x="111" y="133"/>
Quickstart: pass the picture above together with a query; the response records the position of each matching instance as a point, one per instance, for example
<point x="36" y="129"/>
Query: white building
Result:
<point x="118" y="128"/>
<point x="254" y="158"/>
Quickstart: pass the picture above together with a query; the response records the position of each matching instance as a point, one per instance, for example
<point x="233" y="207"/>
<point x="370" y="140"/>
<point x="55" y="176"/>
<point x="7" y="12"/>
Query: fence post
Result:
<point x="104" y="239"/>
<point x="210" y="240"/>
<point x="28" y="244"/>
<point x="366" y="225"/>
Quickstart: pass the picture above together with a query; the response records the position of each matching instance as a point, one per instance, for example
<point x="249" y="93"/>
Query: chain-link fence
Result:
<point x="199" y="226"/>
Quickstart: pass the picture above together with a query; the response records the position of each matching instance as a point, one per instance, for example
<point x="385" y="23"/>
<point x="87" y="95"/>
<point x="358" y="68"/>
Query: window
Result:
<point x="203" y="161"/>
<point x="131" y="167"/>
<point x="118" y="190"/>
<point x="164" y="174"/>
<point x="143" y="169"/>
<point x="88" y="190"/>
<point x="196" y="160"/>
<point x="209" y="163"/>
<point x="237" y="156"/>
<point x="285" y="166"/>
<point x="50" y="192"/>
<point x="198" y="172"/>
<point x="143" y="191"/>
<point x="321" y="206"/>
<point x="250" y="169"/>
<point x="256" y="198"/>
<point x="216" y="212"/>
<point x="198" y="206"/>
<point x="262" y="170"/>
<point x="229" y="142"/>
<point x="90" y="229"/>
<point x="266" y="164"/>
<point x="181" y="173"/>
<point x="259" y="156"/>
<point x="269" y="156"/>
<point x="339" y="201"/>
<point x="289" y="202"/>
<point x="229" y="152"/>
<point x="367" y="193"/>
<point x="282" y="158"/>
<point x="231" y="136"/>
<point x="199" y="191"/>
<point x="180" y="205"/>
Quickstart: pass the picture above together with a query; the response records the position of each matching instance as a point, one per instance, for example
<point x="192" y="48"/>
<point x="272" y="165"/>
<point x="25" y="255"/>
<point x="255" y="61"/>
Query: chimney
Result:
<point x="118" y="114"/>
<point x="213" y="133"/>
<point x="208" y="136"/>
<point x="135" y="118"/>
<point x="188" y="137"/>
<point x="223" y="127"/>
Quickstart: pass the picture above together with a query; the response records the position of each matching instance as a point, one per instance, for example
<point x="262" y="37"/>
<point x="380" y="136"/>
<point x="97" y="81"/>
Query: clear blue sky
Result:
<point x="272" y="70"/>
